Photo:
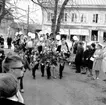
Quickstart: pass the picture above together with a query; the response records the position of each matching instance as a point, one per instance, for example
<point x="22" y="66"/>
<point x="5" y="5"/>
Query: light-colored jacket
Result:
<point x="103" y="65"/>
<point x="97" y="60"/>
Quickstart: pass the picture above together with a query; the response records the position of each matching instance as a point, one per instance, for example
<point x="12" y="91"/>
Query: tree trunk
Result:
<point x="61" y="16"/>
<point x="53" y="27"/>
<point x="3" y="10"/>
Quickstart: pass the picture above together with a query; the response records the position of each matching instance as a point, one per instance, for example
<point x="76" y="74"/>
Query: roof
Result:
<point x="49" y="3"/>
<point x="32" y="27"/>
<point x="87" y="2"/>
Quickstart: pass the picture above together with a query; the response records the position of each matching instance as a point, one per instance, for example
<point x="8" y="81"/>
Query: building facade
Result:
<point x="85" y="19"/>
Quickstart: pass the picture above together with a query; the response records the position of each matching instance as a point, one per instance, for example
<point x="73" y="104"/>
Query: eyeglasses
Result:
<point x="20" y="68"/>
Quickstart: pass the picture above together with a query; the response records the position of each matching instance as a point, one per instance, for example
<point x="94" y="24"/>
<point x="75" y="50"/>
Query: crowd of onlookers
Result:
<point x="91" y="60"/>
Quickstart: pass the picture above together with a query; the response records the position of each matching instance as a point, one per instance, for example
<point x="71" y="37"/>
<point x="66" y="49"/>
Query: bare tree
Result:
<point x="53" y="27"/>
<point x="61" y="16"/>
<point x="2" y="9"/>
<point x="56" y="20"/>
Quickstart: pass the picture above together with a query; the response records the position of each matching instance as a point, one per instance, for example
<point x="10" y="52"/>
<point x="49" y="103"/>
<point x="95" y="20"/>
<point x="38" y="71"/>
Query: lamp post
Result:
<point x="28" y="20"/>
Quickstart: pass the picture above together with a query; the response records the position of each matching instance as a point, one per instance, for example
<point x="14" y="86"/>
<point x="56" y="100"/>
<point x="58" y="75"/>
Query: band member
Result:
<point x="48" y="70"/>
<point x="61" y="68"/>
<point x="53" y="67"/>
<point x="42" y="65"/>
<point x="35" y="66"/>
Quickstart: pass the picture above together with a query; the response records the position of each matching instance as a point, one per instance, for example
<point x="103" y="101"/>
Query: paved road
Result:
<point x="73" y="89"/>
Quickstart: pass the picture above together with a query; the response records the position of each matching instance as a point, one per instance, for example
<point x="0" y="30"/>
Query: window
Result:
<point x="65" y="17"/>
<point x="94" y="35"/>
<point x="104" y="37"/>
<point x="50" y="16"/>
<point x="83" y="18"/>
<point x="74" y="17"/>
<point x="95" y="18"/>
<point x="82" y="38"/>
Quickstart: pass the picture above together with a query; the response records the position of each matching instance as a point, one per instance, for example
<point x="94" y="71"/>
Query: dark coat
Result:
<point x="26" y="63"/>
<point x="85" y="58"/>
<point x="9" y="40"/>
<point x="1" y="41"/>
<point x="79" y="55"/>
<point x="90" y="63"/>
<point x="2" y="55"/>
<point x="59" y="48"/>
<point x="4" y="101"/>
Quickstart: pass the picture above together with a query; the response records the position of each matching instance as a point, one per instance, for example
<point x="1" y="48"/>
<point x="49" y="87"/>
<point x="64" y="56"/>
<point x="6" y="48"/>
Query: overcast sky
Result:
<point x="35" y="13"/>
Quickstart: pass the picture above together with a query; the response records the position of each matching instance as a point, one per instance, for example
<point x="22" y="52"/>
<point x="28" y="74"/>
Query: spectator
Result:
<point x="9" y="93"/>
<point x="97" y="61"/>
<point x="2" y="56"/>
<point x="14" y="64"/>
<point x="91" y="59"/>
<point x="85" y="59"/>
<point x="103" y="64"/>
<point x="79" y="56"/>
<point x="2" y="41"/>
<point x="9" y="40"/>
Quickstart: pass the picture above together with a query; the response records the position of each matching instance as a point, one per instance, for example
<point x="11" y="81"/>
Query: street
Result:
<point x="72" y="89"/>
<point x="49" y="29"/>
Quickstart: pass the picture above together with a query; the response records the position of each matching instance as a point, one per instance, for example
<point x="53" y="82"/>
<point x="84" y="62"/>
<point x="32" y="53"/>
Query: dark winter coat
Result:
<point x="9" y="40"/>
<point x="85" y="58"/>
<point x="4" y="101"/>
<point x="79" y="55"/>
<point x="90" y="63"/>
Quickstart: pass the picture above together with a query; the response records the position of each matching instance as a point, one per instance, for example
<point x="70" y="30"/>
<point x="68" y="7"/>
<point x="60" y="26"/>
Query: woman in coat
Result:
<point x="85" y="59"/>
<point x="90" y="61"/>
<point x="97" y="60"/>
<point x="103" y="64"/>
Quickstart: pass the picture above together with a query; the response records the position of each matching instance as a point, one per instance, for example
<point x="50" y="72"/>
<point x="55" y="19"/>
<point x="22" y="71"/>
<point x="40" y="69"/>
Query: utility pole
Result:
<point x="28" y="20"/>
